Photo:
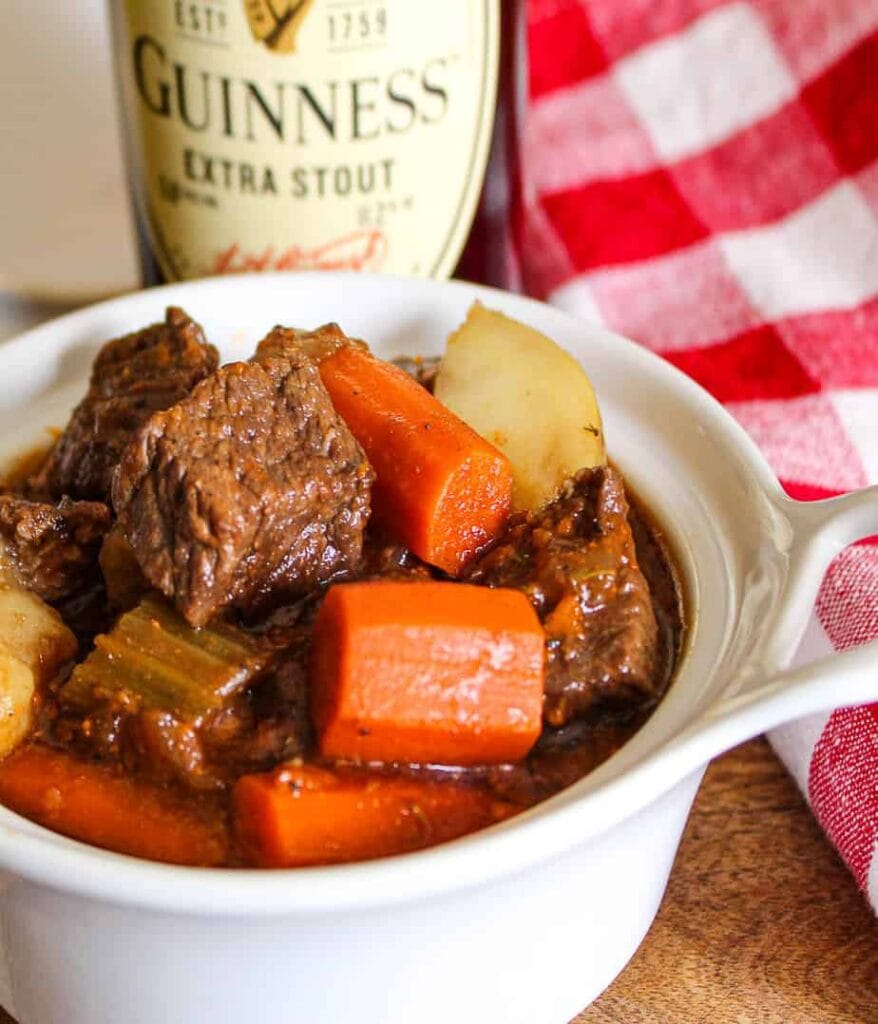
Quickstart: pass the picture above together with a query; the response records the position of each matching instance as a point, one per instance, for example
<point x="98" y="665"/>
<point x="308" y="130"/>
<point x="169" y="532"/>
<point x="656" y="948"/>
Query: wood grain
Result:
<point x="761" y="924"/>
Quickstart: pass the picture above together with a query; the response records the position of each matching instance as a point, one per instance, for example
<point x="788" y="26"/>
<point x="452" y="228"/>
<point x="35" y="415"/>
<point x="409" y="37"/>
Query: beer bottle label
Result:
<point x="307" y="134"/>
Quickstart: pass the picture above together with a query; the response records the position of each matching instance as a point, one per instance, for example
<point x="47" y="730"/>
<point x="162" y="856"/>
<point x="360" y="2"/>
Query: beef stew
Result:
<point x="298" y="620"/>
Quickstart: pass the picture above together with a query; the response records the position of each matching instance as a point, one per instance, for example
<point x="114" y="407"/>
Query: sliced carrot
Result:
<point x="93" y="803"/>
<point x="303" y="815"/>
<point x="434" y="672"/>
<point x="441" y="489"/>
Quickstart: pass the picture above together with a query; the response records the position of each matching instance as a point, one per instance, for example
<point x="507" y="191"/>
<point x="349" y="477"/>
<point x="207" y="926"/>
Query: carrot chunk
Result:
<point x="90" y="802"/>
<point x="441" y="489"/>
<point x="303" y="815"/>
<point x="426" y="672"/>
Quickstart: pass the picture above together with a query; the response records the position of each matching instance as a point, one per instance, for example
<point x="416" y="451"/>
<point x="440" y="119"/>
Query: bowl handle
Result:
<point x="819" y="531"/>
<point x="840" y="680"/>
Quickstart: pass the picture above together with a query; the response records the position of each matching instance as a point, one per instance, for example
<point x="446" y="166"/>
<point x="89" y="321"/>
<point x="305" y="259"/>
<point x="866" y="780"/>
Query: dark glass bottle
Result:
<point x="488" y="256"/>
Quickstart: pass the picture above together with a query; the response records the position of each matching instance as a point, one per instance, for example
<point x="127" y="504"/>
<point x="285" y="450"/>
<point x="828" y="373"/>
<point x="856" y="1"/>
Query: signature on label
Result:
<point x="360" y="250"/>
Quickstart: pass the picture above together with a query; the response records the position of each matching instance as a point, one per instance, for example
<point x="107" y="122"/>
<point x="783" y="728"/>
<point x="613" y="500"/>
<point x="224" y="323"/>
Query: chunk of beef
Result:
<point x="277" y="728"/>
<point x="162" y="747"/>
<point x="51" y="550"/>
<point x="385" y="559"/>
<point x="132" y="377"/>
<point x="249" y="492"/>
<point x="160" y="696"/>
<point x="575" y="560"/>
<point x="255" y="731"/>
<point x="319" y="344"/>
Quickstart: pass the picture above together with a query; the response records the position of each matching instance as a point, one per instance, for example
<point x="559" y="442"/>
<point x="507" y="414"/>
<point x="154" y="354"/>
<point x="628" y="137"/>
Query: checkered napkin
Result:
<point x="702" y="176"/>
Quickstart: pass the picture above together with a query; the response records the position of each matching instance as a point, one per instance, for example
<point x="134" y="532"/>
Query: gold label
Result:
<point x="275" y="27"/>
<point x="307" y="134"/>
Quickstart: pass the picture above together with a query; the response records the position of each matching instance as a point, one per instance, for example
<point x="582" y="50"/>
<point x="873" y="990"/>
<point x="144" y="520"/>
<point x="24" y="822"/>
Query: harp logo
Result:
<point x="276" y="23"/>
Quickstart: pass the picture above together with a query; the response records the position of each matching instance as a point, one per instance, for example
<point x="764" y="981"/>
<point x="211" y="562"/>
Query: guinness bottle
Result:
<point x="307" y="134"/>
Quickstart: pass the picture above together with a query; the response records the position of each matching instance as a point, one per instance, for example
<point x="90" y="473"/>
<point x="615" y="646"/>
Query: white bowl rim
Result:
<point x="548" y="829"/>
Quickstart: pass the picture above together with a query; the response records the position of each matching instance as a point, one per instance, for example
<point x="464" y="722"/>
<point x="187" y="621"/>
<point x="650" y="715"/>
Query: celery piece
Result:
<point x="154" y="659"/>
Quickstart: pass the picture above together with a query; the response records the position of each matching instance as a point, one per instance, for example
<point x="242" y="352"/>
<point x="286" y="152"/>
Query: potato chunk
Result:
<point x="34" y="633"/>
<point x="34" y="644"/>
<point x="527" y="396"/>
<point x="16" y="700"/>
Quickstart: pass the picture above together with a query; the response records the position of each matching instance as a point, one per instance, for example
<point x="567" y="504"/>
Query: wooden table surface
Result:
<point x="761" y="924"/>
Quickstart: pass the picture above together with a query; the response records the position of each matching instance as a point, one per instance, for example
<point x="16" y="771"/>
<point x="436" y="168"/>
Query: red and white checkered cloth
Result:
<point x="702" y="176"/>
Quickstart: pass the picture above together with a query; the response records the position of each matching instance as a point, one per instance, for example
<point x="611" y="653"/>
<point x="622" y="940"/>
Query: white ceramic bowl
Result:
<point x="526" y="922"/>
